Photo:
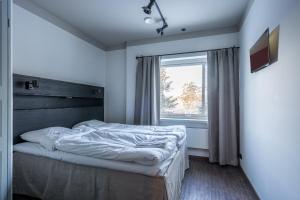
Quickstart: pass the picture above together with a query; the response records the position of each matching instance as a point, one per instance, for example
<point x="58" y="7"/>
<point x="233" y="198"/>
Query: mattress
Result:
<point x="38" y="150"/>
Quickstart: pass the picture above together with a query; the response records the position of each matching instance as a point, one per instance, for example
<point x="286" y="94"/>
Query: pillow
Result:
<point x="47" y="136"/>
<point x="91" y="123"/>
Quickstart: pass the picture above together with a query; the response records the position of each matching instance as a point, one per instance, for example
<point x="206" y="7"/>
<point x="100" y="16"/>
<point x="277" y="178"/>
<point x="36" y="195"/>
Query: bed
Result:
<point x="46" y="174"/>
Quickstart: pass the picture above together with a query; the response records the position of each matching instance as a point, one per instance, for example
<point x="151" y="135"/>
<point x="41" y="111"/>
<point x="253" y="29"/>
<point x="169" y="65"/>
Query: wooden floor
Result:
<point x="204" y="181"/>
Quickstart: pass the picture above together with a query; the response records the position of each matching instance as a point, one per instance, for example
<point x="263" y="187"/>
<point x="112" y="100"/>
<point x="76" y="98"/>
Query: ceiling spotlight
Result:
<point x="149" y="20"/>
<point x="161" y="30"/>
<point x="147" y="9"/>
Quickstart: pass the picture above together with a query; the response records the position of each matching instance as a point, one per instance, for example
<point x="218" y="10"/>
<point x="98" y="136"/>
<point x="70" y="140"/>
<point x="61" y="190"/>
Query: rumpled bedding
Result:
<point x="117" y="144"/>
<point x="178" y="131"/>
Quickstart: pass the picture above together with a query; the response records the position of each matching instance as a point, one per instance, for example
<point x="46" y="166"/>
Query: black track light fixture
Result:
<point x="161" y="30"/>
<point x="147" y="9"/>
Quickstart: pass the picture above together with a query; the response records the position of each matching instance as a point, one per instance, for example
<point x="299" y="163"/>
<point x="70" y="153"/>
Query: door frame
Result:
<point x="6" y="100"/>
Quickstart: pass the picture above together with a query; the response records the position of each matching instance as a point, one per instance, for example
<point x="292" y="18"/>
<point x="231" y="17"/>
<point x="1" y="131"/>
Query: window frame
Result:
<point x="189" y="123"/>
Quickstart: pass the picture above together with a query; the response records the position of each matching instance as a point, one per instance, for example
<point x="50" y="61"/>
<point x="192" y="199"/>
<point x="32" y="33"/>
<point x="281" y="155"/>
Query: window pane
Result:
<point x="183" y="89"/>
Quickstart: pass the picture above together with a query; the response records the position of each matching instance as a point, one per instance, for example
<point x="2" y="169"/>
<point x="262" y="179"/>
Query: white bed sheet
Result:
<point x="38" y="150"/>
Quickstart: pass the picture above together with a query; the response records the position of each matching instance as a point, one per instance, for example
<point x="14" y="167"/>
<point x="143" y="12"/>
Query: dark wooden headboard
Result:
<point x="40" y="103"/>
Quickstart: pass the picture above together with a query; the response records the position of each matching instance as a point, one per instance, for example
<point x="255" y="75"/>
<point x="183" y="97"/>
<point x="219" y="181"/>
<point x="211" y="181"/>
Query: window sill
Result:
<point x="189" y="123"/>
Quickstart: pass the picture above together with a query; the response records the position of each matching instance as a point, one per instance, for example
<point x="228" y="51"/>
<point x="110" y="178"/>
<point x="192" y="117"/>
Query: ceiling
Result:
<point x="113" y="22"/>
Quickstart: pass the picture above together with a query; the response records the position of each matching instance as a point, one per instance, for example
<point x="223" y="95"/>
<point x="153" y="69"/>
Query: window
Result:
<point x="183" y="87"/>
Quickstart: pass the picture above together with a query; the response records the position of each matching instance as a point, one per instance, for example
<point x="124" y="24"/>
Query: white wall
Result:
<point x="116" y="86"/>
<point x="270" y="128"/>
<point x="43" y="49"/>
<point x="122" y="96"/>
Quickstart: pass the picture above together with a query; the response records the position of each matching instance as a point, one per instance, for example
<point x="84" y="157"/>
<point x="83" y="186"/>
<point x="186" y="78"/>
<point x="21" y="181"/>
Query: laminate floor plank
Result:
<point x="205" y="181"/>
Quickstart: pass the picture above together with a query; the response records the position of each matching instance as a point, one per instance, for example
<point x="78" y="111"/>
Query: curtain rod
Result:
<point x="170" y="54"/>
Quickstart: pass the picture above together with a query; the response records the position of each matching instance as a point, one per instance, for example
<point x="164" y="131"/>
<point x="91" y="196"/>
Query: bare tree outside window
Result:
<point x="167" y="102"/>
<point x="191" y="97"/>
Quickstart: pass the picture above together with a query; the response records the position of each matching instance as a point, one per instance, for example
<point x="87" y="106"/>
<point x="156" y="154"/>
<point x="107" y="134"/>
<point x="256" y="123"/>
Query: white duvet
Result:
<point x="117" y="144"/>
<point x="178" y="131"/>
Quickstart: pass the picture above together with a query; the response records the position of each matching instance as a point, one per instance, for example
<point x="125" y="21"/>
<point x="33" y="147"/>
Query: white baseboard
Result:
<point x="198" y="152"/>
